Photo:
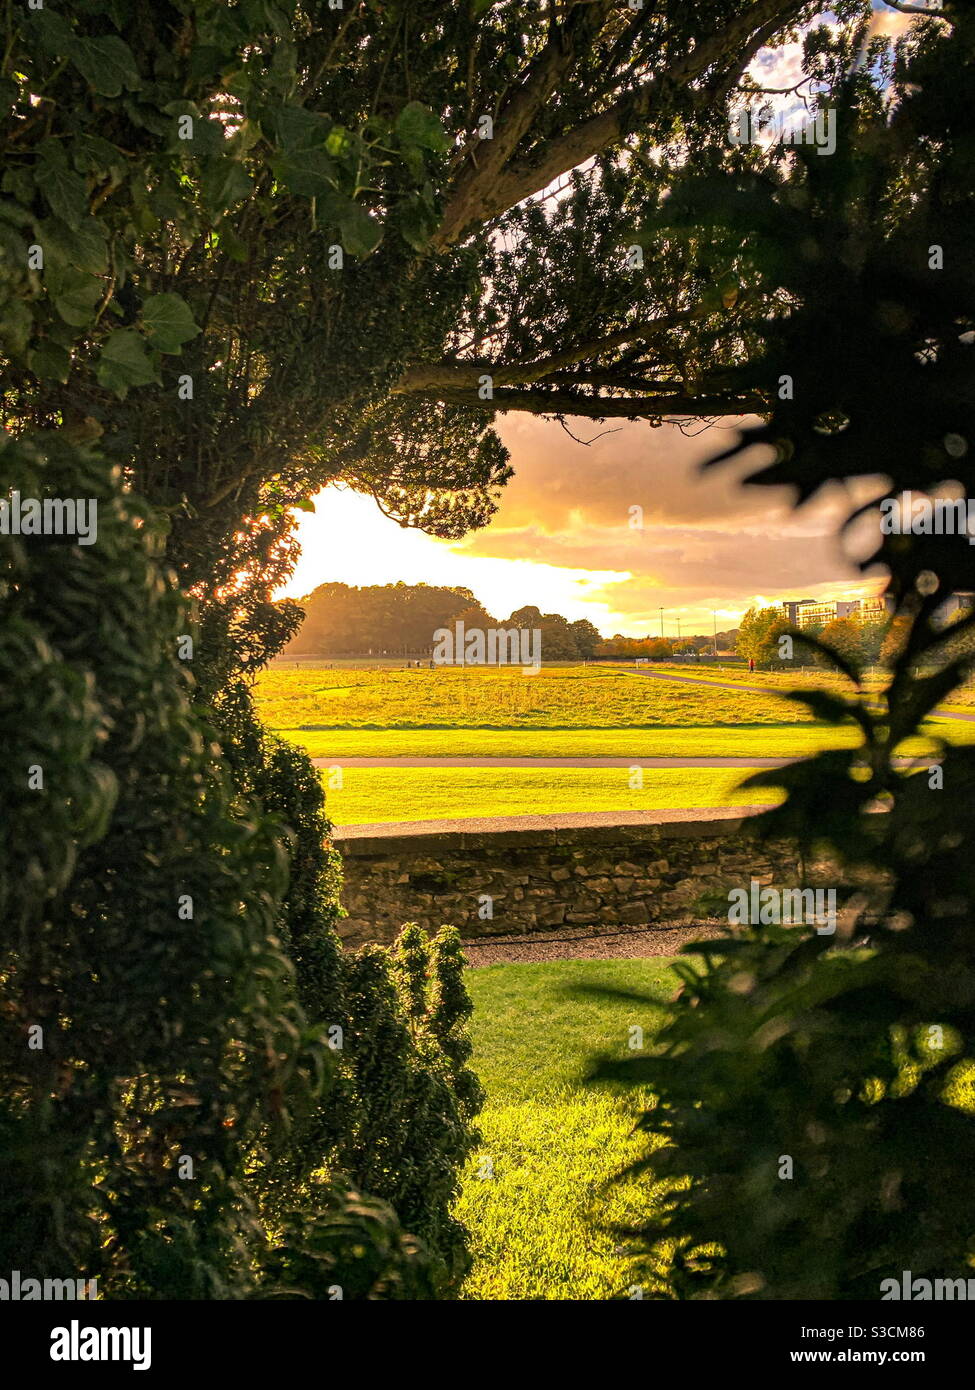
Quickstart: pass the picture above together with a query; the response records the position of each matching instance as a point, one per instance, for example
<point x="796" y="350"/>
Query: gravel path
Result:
<point x="557" y="820"/>
<point x="634" y="761"/>
<point x="587" y="943"/>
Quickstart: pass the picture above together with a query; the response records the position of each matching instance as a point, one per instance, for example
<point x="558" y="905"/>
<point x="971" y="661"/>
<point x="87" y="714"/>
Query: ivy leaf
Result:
<point x="54" y="34"/>
<point x="82" y="246"/>
<point x="360" y="234"/>
<point x="228" y="240"/>
<point x="64" y="190"/>
<point x="416" y="124"/>
<point x="124" y="362"/>
<point x="49" y="362"/>
<point x="90" y="154"/>
<point x="342" y="144"/>
<point x="106" y="64"/>
<point x="19" y="183"/>
<point x="168" y="321"/>
<point x="12" y="212"/>
<point x="415" y="222"/>
<point x="225" y="183"/>
<point x="75" y="294"/>
<point x="15" y="326"/>
<point x="205" y="62"/>
<point x="297" y="129"/>
<point x="309" y="173"/>
<point x="263" y="15"/>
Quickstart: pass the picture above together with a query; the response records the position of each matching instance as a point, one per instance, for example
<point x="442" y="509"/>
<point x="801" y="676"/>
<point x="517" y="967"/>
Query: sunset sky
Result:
<point x="562" y="539"/>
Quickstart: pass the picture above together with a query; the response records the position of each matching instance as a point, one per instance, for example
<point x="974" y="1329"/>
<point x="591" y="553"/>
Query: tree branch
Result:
<point x="497" y="184"/>
<point x="916" y="9"/>
<point x="555" y="403"/>
<point x="459" y="372"/>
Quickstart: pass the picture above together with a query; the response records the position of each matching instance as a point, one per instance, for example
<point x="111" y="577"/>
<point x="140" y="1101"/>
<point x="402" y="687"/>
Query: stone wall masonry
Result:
<point x="541" y="879"/>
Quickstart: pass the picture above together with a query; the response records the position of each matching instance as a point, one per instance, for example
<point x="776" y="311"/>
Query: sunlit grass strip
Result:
<point x="504" y="697"/>
<point x="764" y="741"/>
<point x="537" y="1217"/>
<point x="410" y="794"/>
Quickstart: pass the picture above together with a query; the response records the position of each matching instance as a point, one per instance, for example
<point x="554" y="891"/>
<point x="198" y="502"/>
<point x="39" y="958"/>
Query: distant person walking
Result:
<point x="751" y="663"/>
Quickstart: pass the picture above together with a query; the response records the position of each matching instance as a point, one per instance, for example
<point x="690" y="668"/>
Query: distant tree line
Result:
<point x="855" y="640"/>
<point x="394" y="619"/>
<point x="400" y="619"/>
<point x="662" y="648"/>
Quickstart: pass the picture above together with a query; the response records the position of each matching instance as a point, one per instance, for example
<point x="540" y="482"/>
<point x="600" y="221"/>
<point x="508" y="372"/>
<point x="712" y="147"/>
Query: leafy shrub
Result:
<point x="149" y="1018"/>
<point x="414" y="1101"/>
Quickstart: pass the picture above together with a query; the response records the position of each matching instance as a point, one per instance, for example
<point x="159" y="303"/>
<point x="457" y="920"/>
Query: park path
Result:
<point x="585" y="943"/>
<point x="556" y="820"/>
<point x="635" y="761"/>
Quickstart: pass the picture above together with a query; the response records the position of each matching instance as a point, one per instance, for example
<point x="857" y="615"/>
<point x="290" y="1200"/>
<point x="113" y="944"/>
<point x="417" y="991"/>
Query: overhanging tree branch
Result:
<point x="916" y="9"/>
<point x="497" y="183"/>
<point x="460" y="372"/>
<point x="648" y="406"/>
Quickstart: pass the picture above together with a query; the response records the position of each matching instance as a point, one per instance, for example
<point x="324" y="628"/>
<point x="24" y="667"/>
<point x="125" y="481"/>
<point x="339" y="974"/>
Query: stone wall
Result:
<point x="527" y="880"/>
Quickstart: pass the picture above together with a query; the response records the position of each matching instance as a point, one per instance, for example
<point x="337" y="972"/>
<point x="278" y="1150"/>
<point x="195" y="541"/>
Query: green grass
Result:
<point x="563" y="711"/>
<point x="768" y="740"/>
<point x="558" y="697"/>
<point x="370" y="794"/>
<point x="554" y="1142"/>
<point x="764" y="741"/>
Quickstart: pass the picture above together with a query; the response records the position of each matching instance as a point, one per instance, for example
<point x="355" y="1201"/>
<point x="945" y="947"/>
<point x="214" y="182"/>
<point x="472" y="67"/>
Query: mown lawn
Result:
<point x="762" y="741"/>
<point x="557" y="697"/>
<point x="536" y="1208"/>
<point x="369" y="794"/>
<point x="767" y="740"/>
<point x="563" y="711"/>
<point x="585" y="710"/>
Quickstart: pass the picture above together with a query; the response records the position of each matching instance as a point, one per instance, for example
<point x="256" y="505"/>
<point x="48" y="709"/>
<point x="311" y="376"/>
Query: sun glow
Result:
<point x="348" y="539"/>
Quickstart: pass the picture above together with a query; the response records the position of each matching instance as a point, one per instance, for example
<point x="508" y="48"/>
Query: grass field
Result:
<point x="369" y="794"/>
<point x="538" y="1211"/>
<point x="765" y="741"/>
<point x="961" y="699"/>
<point x="563" y="711"/>
<point x="553" y="1143"/>
<point x="561" y="697"/>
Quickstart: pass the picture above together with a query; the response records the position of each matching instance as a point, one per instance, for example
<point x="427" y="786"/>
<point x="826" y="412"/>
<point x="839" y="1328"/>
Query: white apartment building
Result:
<point x="807" y="612"/>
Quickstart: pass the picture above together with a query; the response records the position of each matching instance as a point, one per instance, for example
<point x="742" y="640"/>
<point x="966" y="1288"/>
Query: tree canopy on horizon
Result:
<point x="343" y="619"/>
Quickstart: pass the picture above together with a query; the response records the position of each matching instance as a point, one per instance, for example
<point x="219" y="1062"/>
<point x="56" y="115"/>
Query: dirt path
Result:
<point x="556" y="820"/>
<point x="634" y="761"/>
